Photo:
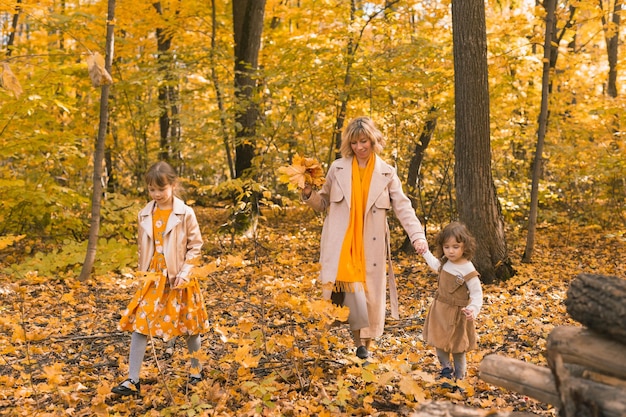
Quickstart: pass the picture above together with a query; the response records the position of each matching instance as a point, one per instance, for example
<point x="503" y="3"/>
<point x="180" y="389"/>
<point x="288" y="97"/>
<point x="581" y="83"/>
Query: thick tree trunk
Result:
<point x="248" y="26"/>
<point x="598" y="302"/>
<point x="475" y="191"/>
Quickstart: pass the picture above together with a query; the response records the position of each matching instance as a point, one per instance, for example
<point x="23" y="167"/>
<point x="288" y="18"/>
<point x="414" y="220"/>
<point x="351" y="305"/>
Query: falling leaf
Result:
<point x="97" y="72"/>
<point x="303" y="171"/>
<point x="9" y="81"/>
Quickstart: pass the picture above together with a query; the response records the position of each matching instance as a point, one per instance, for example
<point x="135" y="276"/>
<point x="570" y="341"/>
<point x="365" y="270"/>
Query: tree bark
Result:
<point x="415" y="165"/>
<point x="550" y="6"/>
<point x="218" y="93"/>
<point x="589" y="349"/>
<point x="98" y="156"/>
<point x="476" y="198"/>
<point x="611" y="35"/>
<point x="597" y="301"/>
<point x="14" y="21"/>
<point x="168" y="96"/>
<point x="585" y="397"/>
<point x="519" y="376"/>
<point x="248" y="27"/>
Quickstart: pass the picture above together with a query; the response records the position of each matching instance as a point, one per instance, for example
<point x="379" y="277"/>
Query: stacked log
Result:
<point x="586" y="373"/>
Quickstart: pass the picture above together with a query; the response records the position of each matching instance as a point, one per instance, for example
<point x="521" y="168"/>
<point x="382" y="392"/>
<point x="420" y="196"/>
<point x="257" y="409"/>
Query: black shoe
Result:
<point x="446" y="372"/>
<point x="123" y="390"/>
<point x="194" y="380"/>
<point x="362" y="352"/>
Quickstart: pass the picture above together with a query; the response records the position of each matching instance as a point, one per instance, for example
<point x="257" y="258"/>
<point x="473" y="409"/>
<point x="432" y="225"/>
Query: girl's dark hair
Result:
<point x="161" y="174"/>
<point x="458" y="231"/>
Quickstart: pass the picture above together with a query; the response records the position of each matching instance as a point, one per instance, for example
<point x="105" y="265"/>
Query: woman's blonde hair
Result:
<point x="358" y="127"/>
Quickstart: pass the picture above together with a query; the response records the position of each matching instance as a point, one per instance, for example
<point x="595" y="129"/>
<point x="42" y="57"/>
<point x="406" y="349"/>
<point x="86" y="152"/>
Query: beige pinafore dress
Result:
<point x="446" y="327"/>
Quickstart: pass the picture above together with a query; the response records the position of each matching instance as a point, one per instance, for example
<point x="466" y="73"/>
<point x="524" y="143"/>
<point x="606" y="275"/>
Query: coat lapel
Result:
<point x="380" y="180"/>
<point x="146" y="218"/>
<point x="178" y="208"/>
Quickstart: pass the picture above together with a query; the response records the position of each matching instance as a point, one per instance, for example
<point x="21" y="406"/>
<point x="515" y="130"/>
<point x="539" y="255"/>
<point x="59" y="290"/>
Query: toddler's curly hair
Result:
<point x="458" y="231"/>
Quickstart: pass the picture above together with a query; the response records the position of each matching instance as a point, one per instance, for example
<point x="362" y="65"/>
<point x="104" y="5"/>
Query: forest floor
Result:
<point x="271" y="350"/>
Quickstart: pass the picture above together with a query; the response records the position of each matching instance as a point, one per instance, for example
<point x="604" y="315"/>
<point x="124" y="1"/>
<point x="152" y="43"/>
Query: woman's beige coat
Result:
<point x="182" y="239"/>
<point x="385" y="193"/>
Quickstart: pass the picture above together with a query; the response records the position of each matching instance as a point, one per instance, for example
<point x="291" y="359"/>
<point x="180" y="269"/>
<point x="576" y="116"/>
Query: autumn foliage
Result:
<point x="273" y="349"/>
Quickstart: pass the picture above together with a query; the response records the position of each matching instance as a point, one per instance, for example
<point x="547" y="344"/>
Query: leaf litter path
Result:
<point x="272" y="350"/>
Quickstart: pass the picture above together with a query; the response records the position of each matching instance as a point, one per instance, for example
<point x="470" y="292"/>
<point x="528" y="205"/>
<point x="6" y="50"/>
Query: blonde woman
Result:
<point x="360" y="188"/>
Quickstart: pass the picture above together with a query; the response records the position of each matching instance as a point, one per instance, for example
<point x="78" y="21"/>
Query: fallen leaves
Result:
<point x="276" y="348"/>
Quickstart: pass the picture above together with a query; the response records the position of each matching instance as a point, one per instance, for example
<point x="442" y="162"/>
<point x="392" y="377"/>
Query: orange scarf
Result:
<point x="351" y="269"/>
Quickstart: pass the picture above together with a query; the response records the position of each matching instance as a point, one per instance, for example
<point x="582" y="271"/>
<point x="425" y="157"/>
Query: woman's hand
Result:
<point x="306" y="191"/>
<point x="421" y="246"/>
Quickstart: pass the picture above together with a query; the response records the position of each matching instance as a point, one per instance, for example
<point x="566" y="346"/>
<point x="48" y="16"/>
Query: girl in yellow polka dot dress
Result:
<point x="169" y="303"/>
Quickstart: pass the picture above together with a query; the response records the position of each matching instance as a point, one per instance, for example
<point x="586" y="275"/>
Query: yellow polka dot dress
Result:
<point x="158" y="310"/>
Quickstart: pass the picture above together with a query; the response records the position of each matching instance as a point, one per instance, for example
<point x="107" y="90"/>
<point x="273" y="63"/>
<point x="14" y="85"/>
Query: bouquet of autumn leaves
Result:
<point x="302" y="171"/>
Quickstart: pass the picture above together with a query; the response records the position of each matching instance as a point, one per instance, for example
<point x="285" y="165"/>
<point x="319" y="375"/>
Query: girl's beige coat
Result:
<point x="182" y="239"/>
<point x="385" y="193"/>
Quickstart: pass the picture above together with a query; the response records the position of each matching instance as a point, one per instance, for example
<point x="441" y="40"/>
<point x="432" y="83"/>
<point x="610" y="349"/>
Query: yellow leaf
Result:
<point x="98" y="74"/>
<point x="9" y="81"/>
<point x="54" y="373"/>
<point x="409" y="387"/>
<point x="244" y="356"/>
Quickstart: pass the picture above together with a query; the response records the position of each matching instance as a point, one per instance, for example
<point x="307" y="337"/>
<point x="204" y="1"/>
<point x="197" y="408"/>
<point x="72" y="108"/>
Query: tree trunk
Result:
<point x="218" y="93"/>
<point x="13" y="31"/>
<point x="169" y="122"/>
<point x="611" y="35"/>
<point x="550" y="6"/>
<point x="476" y="199"/>
<point x="98" y="157"/>
<point x="248" y="28"/>
<point x="415" y="165"/>
<point x="597" y="301"/>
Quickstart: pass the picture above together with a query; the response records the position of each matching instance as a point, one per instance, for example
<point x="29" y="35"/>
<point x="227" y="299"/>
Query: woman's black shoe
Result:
<point x="123" y="390"/>
<point x="362" y="352"/>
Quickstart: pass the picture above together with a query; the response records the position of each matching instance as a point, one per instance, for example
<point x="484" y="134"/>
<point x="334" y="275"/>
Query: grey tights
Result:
<point x="460" y="362"/>
<point x="138" y="344"/>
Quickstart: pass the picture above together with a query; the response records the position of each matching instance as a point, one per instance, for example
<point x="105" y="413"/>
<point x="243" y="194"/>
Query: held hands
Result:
<point x="421" y="246"/>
